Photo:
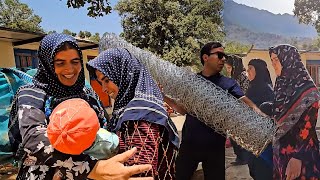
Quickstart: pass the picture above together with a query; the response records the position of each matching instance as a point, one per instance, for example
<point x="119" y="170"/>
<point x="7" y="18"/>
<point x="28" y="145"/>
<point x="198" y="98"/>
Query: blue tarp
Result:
<point x="10" y="81"/>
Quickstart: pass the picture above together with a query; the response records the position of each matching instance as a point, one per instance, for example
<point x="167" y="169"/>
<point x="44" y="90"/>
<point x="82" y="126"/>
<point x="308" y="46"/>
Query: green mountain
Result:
<point x="262" y="28"/>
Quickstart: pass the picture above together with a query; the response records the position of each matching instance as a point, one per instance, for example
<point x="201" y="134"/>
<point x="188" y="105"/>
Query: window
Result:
<point x="26" y="58"/>
<point x="23" y="60"/>
<point x="313" y="67"/>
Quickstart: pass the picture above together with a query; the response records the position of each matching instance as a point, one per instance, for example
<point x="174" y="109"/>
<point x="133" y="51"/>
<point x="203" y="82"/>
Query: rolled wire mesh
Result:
<point x="209" y="103"/>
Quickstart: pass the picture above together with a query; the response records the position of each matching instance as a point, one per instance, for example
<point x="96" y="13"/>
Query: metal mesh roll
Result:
<point x="203" y="99"/>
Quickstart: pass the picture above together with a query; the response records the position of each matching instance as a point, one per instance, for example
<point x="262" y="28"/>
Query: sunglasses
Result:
<point x="219" y="54"/>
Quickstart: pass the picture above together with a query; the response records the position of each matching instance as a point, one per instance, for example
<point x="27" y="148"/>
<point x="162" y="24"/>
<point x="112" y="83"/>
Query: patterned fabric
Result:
<point x="295" y="102"/>
<point x="153" y="147"/>
<point x="243" y="81"/>
<point x="41" y="160"/>
<point x="238" y="71"/>
<point x="139" y="115"/>
<point x="300" y="142"/>
<point x="28" y="120"/>
<point x="139" y="97"/>
<point x="46" y="78"/>
<point x="294" y="89"/>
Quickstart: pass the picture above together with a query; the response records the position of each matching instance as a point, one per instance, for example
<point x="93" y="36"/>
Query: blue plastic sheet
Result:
<point x="10" y="80"/>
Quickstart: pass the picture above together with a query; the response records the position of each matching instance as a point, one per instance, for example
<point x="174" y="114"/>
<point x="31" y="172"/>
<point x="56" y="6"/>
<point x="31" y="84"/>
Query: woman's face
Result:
<point x="276" y="64"/>
<point x="228" y="68"/>
<point x="107" y="85"/>
<point x="251" y="72"/>
<point x="67" y="66"/>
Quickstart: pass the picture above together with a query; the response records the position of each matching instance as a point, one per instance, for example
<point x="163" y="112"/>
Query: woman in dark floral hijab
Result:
<point x="295" y="146"/>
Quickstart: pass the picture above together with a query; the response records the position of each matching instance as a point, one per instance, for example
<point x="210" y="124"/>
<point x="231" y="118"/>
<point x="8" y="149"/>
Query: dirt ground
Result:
<point x="232" y="172"/>
<point x="7" y="172"/>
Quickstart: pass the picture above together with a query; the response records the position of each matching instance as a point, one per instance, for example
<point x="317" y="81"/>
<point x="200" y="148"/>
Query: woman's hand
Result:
<point x="113" y="168"/>
<point x="174" y="105"/>
<point x="257" y="110"/>
<point x="293" y="170"/>
<point x="247" y="101"/>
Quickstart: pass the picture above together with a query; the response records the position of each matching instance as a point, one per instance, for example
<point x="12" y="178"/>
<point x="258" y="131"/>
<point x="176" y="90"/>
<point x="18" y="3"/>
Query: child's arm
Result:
<point x="105" y="146"/>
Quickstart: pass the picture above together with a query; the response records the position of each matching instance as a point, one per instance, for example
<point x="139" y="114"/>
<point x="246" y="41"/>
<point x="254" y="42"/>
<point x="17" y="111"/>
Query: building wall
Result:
<point x="31" y="46"/>
<point x="6" y="54"/>
<point x="7" y="58"/>
<point x="86" y="54"/>
<point x="311" y="55"/>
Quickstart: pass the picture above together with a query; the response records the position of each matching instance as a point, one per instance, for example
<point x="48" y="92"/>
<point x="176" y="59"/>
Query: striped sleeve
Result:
<point x="31" y="96"/>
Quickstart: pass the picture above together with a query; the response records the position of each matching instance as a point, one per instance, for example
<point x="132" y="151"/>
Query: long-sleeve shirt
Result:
<point x="300" y="142"/>
<point x="41" y="160"/>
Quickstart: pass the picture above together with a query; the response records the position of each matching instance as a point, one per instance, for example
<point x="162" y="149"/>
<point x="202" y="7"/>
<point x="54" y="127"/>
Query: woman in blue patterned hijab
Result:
<point x="139" y="117"/>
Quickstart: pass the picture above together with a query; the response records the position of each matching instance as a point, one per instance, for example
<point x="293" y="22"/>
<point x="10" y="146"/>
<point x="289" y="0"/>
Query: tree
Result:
<point x="95" y="37"/>
<point x="316" y="44"/>
<point x="67" y="32"/>
<point x="304" y="46"/>
<point x="232" y="47"/>
<point x="308" y="12"/>
<point x="51" y="32"/>
<point x="16" y="15"/>
<point x="96" y="7"/>
<point x="172" y="29"/>
<point x="87" y="34"/>
<point x="81" y="34"/>
<point x="294" y="42"/>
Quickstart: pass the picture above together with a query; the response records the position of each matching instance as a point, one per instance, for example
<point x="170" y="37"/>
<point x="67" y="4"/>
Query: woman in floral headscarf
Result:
<point x="139" y="117"/>
<point x="295" y="146"/>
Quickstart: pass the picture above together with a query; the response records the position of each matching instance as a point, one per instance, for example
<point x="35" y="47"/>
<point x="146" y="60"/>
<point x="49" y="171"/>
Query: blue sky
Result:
<point x="57" y="16"/>
<point x="274" y="6"/>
